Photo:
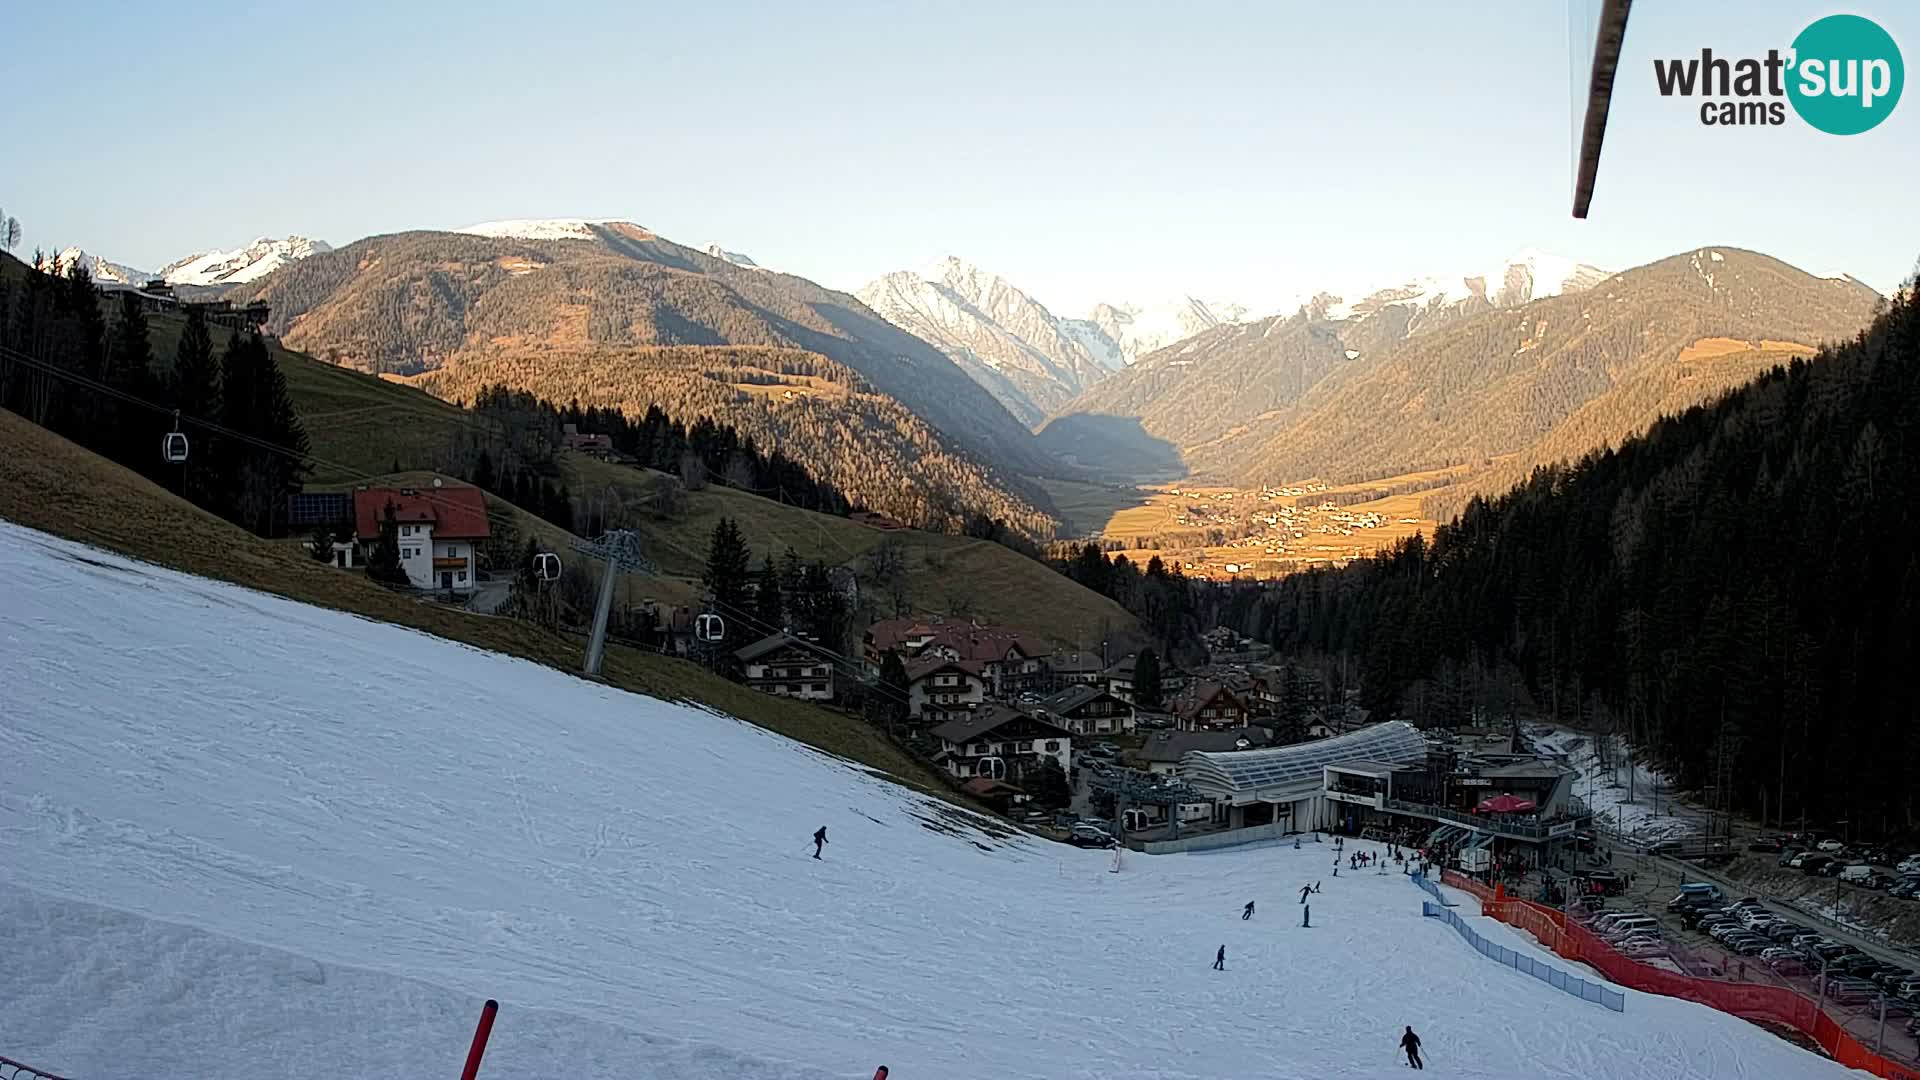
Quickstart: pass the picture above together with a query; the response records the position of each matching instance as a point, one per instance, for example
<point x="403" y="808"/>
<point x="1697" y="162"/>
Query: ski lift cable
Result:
<point x="209" y="425"/>
<point x="854" y="669"/>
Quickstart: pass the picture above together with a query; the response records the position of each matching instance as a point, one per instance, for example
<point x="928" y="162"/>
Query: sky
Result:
<point x="1087" y="152"/>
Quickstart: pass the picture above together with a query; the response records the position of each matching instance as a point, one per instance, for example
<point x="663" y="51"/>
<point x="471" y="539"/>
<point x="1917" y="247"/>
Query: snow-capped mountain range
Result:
<point x="205" y="268"/>
<point x="250" y="263"/>
<point x="1031" y="359"/>
<point x="1526" y="275"/>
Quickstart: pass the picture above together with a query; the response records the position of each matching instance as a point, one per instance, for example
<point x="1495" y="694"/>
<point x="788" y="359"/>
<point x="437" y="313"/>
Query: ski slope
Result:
<point x="242" y="837"/>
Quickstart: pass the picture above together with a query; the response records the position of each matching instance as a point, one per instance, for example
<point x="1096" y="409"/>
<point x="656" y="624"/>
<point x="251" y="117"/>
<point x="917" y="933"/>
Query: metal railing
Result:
<point x="1480" y="822"/>
<point x="1521" y="962"/>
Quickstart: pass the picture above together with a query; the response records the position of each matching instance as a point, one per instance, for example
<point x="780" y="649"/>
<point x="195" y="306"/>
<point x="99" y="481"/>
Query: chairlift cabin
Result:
<point x="546" y="566"/>
<point x="173" y="447"/>
<point x="710" y="628"/>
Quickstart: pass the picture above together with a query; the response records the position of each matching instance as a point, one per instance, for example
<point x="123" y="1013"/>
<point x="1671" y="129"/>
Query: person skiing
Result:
<point x="1248" y="913"/>
<point x="1220" y="959"/>
<point x="1411" y="1044"/>
<point x="1305" y="891"/>
<point x="1306" y="916"/>
<point x="819" y="840"/>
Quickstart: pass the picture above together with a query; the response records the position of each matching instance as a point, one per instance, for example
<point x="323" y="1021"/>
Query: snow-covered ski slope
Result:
<point x="241" y="837"/>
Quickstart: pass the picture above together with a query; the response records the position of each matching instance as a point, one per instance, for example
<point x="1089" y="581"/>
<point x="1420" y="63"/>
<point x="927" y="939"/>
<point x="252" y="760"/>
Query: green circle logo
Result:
<point x="1846" y="76"/>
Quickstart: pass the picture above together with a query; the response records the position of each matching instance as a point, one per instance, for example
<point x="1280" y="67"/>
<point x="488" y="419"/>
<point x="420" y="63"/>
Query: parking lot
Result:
<point x="1654" y="881"/>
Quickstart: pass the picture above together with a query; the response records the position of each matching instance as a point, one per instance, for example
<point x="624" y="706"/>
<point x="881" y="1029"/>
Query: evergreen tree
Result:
<point x="726" y="576"/>
<point x="894" y="690"/>
<point x="1146" y="680"/>
<point x="383" y="561"/>
<point x="769" y="606"/>
<point x="1048" y="785"/>
<point x="128" y="433"/>
<point x="1292" y="726"/>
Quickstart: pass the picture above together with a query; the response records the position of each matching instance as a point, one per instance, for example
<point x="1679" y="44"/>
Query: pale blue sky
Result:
<point x="1086" y="151"/>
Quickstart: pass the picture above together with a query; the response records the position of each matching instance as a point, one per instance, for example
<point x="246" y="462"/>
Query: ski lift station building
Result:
<point x="1287" y="785"/>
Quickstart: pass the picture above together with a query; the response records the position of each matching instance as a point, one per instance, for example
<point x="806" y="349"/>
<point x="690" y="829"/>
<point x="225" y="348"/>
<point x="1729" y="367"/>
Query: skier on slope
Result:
<point x="1411" y="1044"/>
<point x="1248" y="913"/>
<point x="1220" y="959"/>
<point x="819" y="840"/>
<point x="1305" y="891"/>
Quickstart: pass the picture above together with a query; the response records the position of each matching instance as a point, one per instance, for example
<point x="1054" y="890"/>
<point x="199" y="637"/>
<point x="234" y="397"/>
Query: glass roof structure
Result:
<point x="1245" y="772"/>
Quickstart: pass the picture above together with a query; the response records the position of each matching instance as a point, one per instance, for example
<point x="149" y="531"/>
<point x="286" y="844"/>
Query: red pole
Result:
<point x="480" y="1034"/>
<point x="880" y="1073"/>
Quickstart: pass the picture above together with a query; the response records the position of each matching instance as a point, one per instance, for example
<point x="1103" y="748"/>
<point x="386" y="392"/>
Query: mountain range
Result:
<point x="1556" y="360"/>
<point x="204" y="269"/>
<point x="878" y="412"/>
<point x="922" y="395"/>
<point x="1030" y="359"/>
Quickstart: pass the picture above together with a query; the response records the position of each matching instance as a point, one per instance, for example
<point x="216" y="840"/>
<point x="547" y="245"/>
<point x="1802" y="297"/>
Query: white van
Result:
<point x="1856" y="872"/>
<point x="1629" y="925"/>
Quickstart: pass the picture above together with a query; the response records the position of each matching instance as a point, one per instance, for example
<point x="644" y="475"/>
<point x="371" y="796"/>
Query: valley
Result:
<point x="1221" y="533"/>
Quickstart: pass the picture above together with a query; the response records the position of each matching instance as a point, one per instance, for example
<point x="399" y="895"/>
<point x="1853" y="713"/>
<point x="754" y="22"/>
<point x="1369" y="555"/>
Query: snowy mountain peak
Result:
<point x="539" y="228"/>
<point x="734" y="257"/>
<point x="249" y="263"/>
<point x="102" y="271"/>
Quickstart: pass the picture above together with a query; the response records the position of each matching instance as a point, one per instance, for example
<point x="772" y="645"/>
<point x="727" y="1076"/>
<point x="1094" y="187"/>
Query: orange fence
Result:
<point x="1749" y="1001"/>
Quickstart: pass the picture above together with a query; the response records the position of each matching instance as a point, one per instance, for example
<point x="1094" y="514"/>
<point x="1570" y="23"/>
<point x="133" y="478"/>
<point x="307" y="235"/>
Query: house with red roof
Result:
<point x="438" y="528"/>
<point x="1011" y="662"/>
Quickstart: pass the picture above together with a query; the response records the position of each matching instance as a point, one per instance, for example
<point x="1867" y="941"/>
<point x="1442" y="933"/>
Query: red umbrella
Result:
<point x="1506" y="804"/>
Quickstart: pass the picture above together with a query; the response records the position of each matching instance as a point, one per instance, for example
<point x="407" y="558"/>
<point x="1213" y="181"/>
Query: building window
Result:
<point x="461" y="577"/>
<point x="1053" y="746"/>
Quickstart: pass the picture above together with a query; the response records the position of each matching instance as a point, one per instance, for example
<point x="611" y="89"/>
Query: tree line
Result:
<point x="1737" y="592"/>
<point x="65" y="366"/>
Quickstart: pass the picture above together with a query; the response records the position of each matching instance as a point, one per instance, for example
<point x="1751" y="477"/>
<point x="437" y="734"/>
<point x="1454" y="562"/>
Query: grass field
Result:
<point x="942" y="572"/>
<point x="51" y="484"/>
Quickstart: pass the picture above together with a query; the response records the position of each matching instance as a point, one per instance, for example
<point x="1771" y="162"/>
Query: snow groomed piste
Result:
<point x="243" y="837"/>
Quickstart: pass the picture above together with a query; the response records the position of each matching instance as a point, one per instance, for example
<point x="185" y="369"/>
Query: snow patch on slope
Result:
<point x="734" y="257"/>
<point x="539" y="228"/>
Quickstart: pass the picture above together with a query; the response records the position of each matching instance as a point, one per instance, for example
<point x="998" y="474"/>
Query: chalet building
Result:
<point x="600" y="446"/>
<point x="938" y="688"/>
<point x="1011" y="663"/>
<point x="876" y="520"/>
<point x="438" y="530"/>
<point x="1078" y="669"/>
<point x="1000" y="742"/>
<point x="1208" y="706"/>
<point x="1088" y="710"/>
<point x="784" y="665"/>
<point x="1163" y="750"/>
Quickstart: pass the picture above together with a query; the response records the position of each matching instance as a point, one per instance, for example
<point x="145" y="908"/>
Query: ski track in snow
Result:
<point x="243" y="837"/>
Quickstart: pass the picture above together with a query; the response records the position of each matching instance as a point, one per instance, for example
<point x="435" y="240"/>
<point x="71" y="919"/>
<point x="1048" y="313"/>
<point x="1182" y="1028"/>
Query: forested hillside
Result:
<point x="820" y="414"/>
<point x="1738" y="589"/>
<point x="414" y="302"/>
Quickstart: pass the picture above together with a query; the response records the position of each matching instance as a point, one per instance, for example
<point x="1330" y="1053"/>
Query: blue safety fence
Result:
<point x="1546" y="973"/>
<point x="1432" y="890"/>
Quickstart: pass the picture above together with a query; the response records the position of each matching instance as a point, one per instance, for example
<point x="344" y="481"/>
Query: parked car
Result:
<point x="1909" y="865"/>
<point x="1787" y="855"/>
<point x="1784" y="931"/>
<point x="1610" y="883"/>
<point x="1766" y="843"/>
<point x="1889" y="977"/>
<point x="1849" y="991"/>
<point x="1089" y="836"/>
<point x="1830" y="845"/>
